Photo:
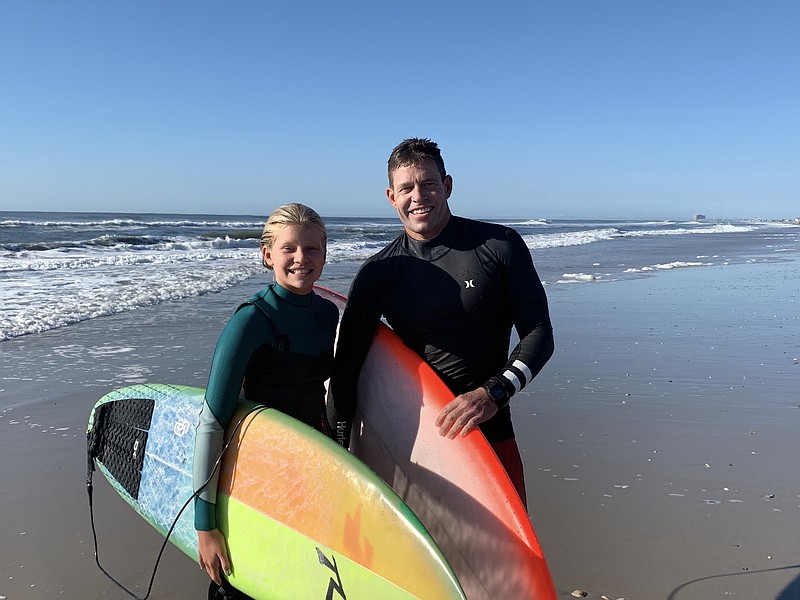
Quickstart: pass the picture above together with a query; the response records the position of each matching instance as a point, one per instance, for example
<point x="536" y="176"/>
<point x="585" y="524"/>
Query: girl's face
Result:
<point x="297" y="256"/>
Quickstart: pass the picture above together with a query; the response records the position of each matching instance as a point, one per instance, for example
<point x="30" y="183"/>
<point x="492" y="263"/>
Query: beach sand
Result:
<point x="660" y="443"/>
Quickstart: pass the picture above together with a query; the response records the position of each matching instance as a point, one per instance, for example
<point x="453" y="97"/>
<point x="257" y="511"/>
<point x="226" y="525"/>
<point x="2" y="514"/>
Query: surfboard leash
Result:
<point x="92" y="451"/>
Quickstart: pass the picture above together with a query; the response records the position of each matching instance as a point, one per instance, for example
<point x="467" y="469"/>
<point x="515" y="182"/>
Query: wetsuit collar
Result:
<point x="291" y="297"/>
<point x="435" y="248"/>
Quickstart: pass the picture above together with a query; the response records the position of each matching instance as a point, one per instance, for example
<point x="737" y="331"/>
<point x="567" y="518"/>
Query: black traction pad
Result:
<point x="118" y="439"/>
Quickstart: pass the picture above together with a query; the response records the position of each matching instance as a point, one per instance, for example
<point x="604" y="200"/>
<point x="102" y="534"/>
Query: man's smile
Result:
<point x="421" y="211"/>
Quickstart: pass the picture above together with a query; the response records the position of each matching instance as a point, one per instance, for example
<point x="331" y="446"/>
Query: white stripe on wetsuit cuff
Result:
<point x="526" y="372"/>
<point x="510" y="376"/>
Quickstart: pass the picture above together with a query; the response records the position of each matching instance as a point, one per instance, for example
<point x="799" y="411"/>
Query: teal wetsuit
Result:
<point x="276" y="350"/>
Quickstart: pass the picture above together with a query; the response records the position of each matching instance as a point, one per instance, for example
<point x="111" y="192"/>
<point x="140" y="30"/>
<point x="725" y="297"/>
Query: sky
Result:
<point x="542" y="108"/>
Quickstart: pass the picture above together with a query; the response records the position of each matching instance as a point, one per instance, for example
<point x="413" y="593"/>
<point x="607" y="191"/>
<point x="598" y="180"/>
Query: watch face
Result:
<point x="498" y="393"/>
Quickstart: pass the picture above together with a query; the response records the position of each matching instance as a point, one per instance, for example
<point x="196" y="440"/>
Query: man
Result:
<point x="451" y="288"/>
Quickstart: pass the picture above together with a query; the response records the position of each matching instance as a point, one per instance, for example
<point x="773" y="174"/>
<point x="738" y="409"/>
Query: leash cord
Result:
<point x="90" y="489"/>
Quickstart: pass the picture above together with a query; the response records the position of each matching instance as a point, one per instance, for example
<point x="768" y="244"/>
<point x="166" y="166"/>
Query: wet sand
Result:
<point x="660" y="443"/>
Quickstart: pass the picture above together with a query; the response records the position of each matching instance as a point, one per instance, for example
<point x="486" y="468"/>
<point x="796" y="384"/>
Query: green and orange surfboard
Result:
<point x="304" y="519"/>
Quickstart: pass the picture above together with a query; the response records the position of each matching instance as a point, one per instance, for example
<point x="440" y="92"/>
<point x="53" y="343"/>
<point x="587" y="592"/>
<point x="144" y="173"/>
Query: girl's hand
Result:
<point x="213" y="554"/>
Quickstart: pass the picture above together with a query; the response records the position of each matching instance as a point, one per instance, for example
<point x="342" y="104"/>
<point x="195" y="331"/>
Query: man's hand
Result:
<point x="465" y="412"/>
<point x="213" y="554"/>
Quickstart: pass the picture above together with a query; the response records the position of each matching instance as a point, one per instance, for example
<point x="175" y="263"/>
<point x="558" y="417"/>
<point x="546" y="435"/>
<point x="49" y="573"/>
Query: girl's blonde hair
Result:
<point x="291" y="214"/>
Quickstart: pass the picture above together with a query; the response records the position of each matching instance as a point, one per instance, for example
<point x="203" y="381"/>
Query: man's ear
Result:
<point x="448" y="186"/>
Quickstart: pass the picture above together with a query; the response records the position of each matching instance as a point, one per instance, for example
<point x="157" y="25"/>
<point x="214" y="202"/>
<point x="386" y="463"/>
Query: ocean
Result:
<point x="57" y="269"/>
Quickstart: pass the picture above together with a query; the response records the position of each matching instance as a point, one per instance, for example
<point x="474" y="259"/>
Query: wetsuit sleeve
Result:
<point x="246" y="331"/>
<point x="530" y="316"/>
<point x="356" y="331"/>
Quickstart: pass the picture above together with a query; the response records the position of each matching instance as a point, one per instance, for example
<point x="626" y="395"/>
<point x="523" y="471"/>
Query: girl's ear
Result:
<point x="266" y="257"/>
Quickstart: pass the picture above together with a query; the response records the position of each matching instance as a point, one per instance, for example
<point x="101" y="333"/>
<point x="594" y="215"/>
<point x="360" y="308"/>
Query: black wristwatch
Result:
<point x="497" y="392"/>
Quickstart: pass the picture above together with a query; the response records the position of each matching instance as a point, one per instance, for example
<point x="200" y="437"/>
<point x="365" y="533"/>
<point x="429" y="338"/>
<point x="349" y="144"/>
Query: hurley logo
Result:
<point x="469" y="284"/>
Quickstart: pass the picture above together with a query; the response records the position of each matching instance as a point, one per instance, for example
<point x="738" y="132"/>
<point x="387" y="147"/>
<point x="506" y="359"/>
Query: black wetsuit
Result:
<point x="453" y="300"/>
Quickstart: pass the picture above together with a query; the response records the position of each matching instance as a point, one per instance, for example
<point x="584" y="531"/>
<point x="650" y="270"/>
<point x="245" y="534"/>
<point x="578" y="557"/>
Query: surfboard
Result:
<point x="457" y="488"/>
<point x="303" y="518"/>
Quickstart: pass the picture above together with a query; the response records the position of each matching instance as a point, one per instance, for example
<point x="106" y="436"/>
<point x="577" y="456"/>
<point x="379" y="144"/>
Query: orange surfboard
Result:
<point x="457" y="488"/>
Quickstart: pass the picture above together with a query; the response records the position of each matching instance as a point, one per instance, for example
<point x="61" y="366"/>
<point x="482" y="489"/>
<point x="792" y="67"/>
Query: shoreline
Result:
<point x="659" y="442"/>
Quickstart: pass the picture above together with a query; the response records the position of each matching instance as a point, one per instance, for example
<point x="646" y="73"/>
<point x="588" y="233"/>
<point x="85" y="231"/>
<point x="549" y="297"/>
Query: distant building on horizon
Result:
<point x="698" y="217"/>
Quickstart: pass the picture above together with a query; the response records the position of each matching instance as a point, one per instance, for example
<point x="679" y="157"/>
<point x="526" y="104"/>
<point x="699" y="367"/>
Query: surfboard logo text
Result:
<point x="334" y="585"/>
<point x="181" y="427"/>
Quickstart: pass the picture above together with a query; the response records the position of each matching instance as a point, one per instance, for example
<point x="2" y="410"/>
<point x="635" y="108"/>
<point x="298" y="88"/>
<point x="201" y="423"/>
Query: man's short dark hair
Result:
<point x="413" y="152"/>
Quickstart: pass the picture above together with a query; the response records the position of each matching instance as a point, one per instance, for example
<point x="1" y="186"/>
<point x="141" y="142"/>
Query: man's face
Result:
<point x="419" y="196"/>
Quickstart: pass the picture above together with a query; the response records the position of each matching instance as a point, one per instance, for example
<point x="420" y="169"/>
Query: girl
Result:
<point x="276" y="350"/>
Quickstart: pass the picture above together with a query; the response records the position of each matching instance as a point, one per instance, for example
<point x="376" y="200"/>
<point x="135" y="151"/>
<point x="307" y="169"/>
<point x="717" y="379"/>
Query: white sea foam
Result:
<point x="47" y="299"/>
<point x="47" y="289"/>
<point x="67" y="268"/>
<point x="57" y="261"/>
<point x="569" y="238"/>
<point x="343" y="251"/>
<point x="700" y="229"/>
<point x="578" y="278"/>
<point x="528" y="223"/>
<point x="678" y="264"/>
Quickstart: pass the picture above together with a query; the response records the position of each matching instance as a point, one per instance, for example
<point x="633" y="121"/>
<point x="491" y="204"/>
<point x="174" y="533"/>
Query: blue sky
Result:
<point x="562" y="108"/>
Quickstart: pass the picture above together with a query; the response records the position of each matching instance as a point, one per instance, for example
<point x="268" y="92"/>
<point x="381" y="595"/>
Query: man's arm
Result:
<point x="531" y="318"/>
